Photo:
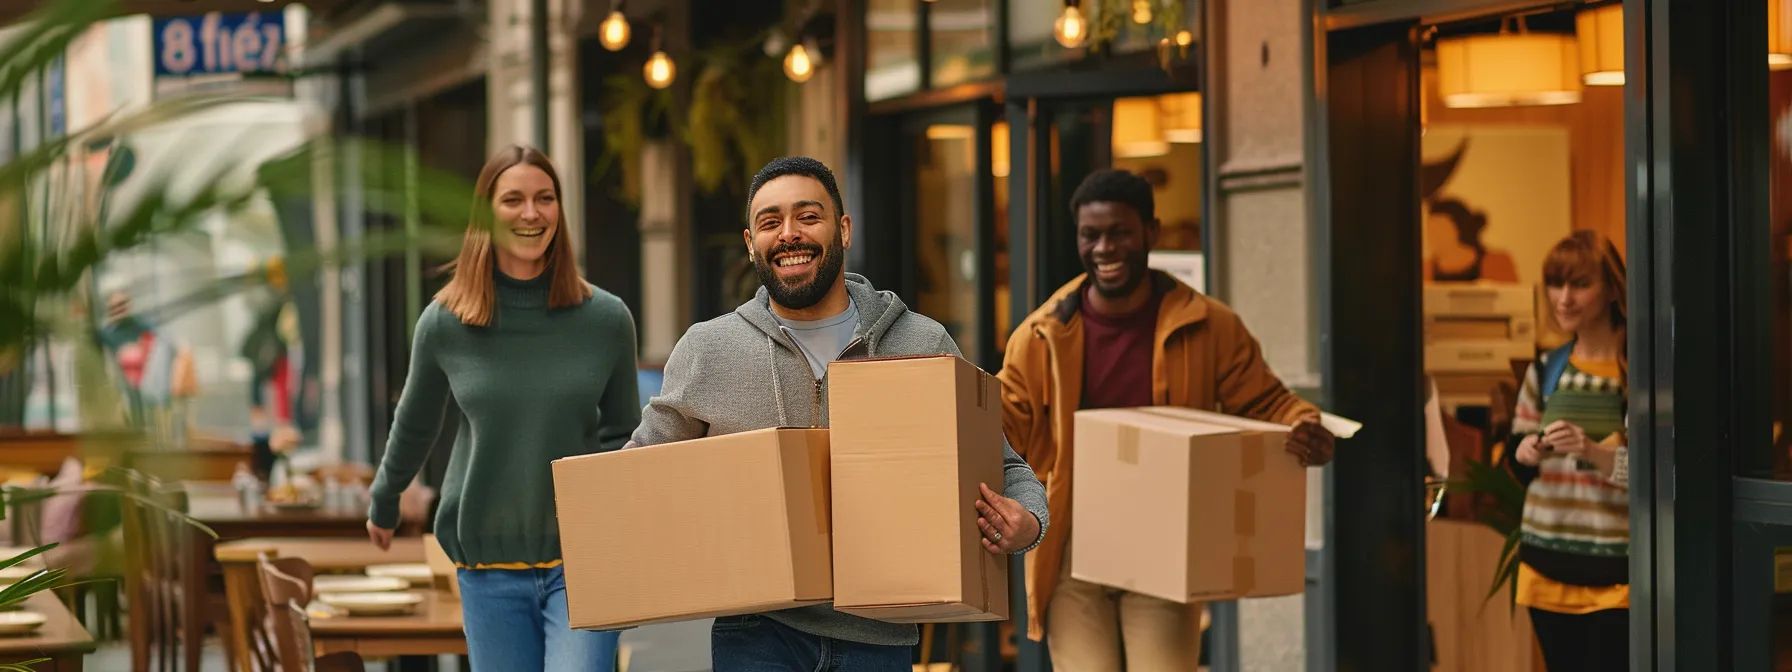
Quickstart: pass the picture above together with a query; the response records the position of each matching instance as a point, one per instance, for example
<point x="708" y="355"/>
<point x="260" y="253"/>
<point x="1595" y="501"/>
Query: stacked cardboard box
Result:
<point x="876" y="515"/>
<point x="1473" y="335"/>
<point x="913" y="439"/>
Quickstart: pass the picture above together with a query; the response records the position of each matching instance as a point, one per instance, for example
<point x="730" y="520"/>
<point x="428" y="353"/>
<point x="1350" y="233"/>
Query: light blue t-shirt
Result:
<point x="822" y="340"/>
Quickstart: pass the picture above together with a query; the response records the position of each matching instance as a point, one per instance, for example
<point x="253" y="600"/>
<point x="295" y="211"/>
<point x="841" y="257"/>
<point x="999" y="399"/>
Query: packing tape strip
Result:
<point x="1244" y="506"/>
<point x="1127" y="444"/>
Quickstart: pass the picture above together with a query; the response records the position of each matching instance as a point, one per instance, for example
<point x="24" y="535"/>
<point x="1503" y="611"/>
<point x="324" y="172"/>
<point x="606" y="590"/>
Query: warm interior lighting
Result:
<point x="1508" y="69"/>
<point x="1138" y="129"/>
<point x="797" y="65"/>
<point x="1600" y="32"/>
<point x="659" y="70"/>
<point x="1184" y="38"/>
<point x="1779" y="34"/>
<point x="1182" y="117"/>
<point x="1071" y="28"/>
<point x="1141" y="11"/>
<point x="613" y="34"/>
<point x="998" y="149"/>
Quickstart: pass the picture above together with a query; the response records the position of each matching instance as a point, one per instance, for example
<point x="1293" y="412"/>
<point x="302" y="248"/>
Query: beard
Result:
<point x="1137" y="270"/>
<point x="808" y="293"/>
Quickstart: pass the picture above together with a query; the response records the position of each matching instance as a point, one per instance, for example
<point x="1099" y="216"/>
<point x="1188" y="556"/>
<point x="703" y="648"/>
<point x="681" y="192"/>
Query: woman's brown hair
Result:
<point x="472" y="293"/>
<point x="1585" y="255"/>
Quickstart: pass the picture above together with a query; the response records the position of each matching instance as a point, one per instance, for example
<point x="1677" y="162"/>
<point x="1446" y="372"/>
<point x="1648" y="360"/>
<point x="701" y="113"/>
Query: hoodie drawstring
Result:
<point x="771" y="352"/>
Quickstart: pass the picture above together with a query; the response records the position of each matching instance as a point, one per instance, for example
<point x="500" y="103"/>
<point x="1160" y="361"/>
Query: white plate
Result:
<point x="356" y="583"/>
<point x="20" y="622"/>
<point x="17" y="573"/>
<point x="372" y="604"/>
<point x="415" y="572"/>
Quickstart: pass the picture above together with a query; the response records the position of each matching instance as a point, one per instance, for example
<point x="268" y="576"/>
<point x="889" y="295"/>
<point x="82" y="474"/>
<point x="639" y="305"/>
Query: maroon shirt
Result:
<point x="1117" y="356"/>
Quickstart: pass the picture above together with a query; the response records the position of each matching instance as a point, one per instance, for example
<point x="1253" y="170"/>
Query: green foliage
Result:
<point x="733" y="124"/>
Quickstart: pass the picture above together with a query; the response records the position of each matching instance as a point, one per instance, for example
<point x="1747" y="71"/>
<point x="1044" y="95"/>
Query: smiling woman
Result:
<point x="542" y="367"/>
<point x="516" y="209"/>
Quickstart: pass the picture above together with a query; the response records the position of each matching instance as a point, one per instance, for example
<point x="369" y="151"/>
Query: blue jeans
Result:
<point x="755" y="643"/>
<point x="516" y="620"/>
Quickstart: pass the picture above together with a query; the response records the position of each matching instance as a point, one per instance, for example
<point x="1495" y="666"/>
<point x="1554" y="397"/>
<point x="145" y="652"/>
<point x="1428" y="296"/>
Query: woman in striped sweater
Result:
<point x="1574" y="572"/>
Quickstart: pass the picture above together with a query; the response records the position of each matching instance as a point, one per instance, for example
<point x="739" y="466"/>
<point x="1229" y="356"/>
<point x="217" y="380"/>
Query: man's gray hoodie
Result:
<point x="739" y="373"/>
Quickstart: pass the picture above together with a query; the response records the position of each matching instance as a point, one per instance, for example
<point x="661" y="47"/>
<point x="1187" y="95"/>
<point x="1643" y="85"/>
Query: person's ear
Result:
<point x="746" y="236"/>
<point x="846" y="232"/>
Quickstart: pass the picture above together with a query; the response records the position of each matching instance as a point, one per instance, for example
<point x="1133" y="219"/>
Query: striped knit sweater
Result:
<point x="1576" y="527"/>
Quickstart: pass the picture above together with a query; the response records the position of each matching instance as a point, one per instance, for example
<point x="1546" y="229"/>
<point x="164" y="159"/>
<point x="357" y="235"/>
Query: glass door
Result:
<point x="950" y="232"/>
<point x="1157" y="137"/>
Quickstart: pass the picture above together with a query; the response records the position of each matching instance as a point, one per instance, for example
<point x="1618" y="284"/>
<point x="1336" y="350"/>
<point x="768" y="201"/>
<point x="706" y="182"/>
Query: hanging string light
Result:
<point x="1071" y="28"/>
<point x="659" y="71"/>
<point x="797" y="65"/>
<point x="1141" y="11"/>
<point x="614" y="32"/>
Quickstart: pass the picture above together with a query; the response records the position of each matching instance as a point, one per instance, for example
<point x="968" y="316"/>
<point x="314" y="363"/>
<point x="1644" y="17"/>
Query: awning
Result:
<point x="13" y="10"/>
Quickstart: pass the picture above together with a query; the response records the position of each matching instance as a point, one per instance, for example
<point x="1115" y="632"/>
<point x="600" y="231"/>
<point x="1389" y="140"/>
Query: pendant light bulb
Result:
<point x="659" y="70"/>
<point x="797" y="65"/>
<point x="1141" y="11"/>
<point x="614" y="33"/>
<point x="1071" y="29"/>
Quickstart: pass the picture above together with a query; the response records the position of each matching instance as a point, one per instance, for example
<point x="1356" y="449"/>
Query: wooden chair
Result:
<point x="170" y="604"/>
<point x="286" y="588"/>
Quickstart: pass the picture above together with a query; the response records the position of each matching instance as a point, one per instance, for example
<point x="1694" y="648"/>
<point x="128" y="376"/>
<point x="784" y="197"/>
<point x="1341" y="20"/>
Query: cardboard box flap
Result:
<point x="1211" y="417"/>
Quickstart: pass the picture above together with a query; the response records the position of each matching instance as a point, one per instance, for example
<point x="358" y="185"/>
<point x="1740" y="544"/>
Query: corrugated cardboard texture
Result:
<point x="912" y="440"/>
<point x="718" y="526"/>
<point x="1170" y="506"/>
<point x="1278" y="484"/>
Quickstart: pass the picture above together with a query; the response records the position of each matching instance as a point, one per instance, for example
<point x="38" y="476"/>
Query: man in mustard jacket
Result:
<point x="1124" y="335"/>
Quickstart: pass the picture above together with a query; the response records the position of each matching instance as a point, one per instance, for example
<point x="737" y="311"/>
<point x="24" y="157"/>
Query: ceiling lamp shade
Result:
<point x="1182" y="117"/>
<point x="1600" y="32"/>
<point x="1508" y="69"/>
<point x="1138" y="129"/>
<point x="1779" y="34"/>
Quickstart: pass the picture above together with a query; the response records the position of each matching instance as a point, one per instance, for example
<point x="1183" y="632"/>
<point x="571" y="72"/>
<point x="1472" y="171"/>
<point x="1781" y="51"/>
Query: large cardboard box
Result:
<point x="719" y="526"/>
<point x="1186" y="505"/>
<point x="912" y="440"/>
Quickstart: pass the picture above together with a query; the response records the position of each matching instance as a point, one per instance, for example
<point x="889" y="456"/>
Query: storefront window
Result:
<point x="1034" y="45"/>
<point x="1779" y="464"/>
<point x="999" y="168"/>
<point x="946" y="230"/>
<point x="1160" y="139"/>
<point x="892" y="68"/>
<point x="963" y="40"/>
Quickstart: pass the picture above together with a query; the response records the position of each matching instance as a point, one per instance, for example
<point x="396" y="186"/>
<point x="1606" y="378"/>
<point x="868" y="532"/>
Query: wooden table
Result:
<point x="216" y="504"/>
<point x="433" y="629"/>
<point x="61" y="639"/>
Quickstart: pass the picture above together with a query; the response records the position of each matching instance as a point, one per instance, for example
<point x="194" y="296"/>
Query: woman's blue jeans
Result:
<point x="516" y="620"/>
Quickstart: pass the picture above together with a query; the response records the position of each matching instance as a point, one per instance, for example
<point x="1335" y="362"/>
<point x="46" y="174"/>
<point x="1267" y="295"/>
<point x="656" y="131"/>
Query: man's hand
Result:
<point x="381" y="537"/>
<point x="1007" y="526"/>
<point x="1311" y="441"/>
<point x="1529" y="451"/>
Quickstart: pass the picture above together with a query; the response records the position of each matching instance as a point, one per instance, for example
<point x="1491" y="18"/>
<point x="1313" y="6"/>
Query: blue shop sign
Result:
<point x="219" y="43"/>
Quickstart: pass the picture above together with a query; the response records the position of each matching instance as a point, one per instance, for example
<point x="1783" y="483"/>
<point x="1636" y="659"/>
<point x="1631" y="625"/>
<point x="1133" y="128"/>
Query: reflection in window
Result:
<point x="1159" y="138"/>
<point x="1779" y="465"/>
<point x="963" y="34"/>
<point x="999" y="167"/>
<point x="946" y="231"/>
<point x="892" y="68"/>
<point x="1030" y="25"/>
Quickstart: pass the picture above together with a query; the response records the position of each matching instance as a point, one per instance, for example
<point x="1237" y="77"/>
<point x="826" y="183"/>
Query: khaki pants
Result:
<point x="1087" y="627"/>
